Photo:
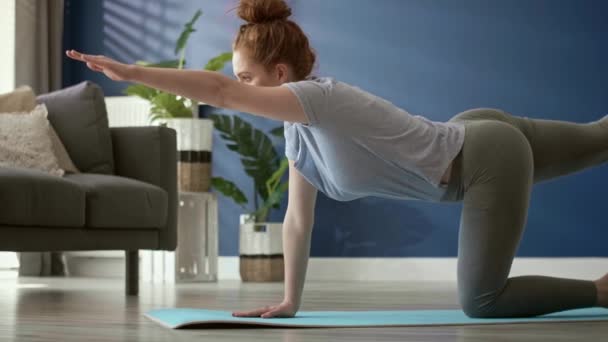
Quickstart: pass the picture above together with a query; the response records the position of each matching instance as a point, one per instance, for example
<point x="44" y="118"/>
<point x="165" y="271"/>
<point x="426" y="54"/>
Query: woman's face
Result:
<point x="249" y="72"/>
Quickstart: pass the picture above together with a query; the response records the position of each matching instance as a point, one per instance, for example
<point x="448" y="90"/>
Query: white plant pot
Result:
<point x="194" y="146"/>
<point x="260" y="250"/>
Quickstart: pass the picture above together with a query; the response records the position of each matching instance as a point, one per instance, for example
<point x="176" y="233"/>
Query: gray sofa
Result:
<point x="125" y="197"/>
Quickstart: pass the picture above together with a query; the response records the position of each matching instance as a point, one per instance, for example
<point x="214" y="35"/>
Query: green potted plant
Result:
<point x="260" y="242"/>
<point x="194" y="135"/>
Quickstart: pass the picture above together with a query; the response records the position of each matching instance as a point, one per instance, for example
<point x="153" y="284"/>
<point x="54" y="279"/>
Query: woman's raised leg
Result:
<point x="497" y="176"/>
<point x="558" y="147"/>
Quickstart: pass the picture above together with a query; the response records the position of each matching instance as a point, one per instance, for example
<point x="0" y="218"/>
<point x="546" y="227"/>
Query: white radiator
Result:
<point x="127" y="111"/>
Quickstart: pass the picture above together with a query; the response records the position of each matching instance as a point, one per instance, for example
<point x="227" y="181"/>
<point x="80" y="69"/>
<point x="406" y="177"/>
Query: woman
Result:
<point x="349" y="144"/>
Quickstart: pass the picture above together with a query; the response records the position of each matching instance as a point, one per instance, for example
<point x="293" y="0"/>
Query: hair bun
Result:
<point x="261" y="11"/>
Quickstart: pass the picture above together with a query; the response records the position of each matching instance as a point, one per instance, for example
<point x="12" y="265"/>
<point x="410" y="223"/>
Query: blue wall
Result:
<point x="541" y="59"/>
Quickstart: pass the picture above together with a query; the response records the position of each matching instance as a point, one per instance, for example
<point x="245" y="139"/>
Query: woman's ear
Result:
<point x="282" y="72"/>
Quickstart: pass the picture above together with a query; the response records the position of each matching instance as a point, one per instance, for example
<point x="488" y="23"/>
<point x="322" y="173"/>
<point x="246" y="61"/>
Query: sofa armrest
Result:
<point x="149" y="154"/>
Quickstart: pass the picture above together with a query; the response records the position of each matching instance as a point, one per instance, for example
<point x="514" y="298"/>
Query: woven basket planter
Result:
<point x="261" y="251"/>
<point x="194" y="146"/>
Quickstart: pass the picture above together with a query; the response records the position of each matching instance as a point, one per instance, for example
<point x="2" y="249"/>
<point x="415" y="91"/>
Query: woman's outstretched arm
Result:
<point x="210" y="87"/>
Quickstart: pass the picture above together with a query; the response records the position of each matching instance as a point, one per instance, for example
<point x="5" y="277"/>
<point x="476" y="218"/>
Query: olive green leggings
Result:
<point x="503" y="155"/>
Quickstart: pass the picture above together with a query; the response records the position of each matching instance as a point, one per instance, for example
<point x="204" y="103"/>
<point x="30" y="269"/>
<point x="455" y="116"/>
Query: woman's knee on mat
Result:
<point x="478" y="304"/>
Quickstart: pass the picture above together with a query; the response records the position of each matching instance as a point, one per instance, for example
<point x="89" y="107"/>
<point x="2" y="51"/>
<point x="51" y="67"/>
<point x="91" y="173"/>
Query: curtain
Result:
<point x="38" y="56"/>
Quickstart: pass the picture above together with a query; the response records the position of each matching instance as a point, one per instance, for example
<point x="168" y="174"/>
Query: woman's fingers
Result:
<point x="81" y="56"/>
<point x="75" y="55"/>
<point x="86" y="58"/>
<point x="252" y="313"/>
<point x="272" y="313"/>
<point x="278" y="311"/>
<point x="114" y="70"/>
<point x="265" y="312"/>
<point x="94" y="67"/>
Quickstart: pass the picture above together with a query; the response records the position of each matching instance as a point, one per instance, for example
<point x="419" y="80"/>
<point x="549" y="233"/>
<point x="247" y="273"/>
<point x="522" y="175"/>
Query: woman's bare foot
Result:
<point x="602" y="291"/>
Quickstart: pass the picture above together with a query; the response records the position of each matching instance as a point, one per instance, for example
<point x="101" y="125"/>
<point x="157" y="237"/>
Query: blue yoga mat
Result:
<point x="201" y="318"/>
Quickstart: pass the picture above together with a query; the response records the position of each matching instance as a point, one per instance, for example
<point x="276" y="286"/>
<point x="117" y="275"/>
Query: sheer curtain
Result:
<point x="38" y="44"/>
<point x="38" y="55"/>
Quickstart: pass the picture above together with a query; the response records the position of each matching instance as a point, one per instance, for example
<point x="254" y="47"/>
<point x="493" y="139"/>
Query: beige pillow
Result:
<point x="23" y="100"/>
<point x="25" y="141"/>
<point x="19" y="100"/>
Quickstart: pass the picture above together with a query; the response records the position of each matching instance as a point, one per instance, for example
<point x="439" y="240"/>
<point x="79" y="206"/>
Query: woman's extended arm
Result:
<point x="297" y="232"/>
<point x="210" y="87"/>
<point x="200" y="85"/>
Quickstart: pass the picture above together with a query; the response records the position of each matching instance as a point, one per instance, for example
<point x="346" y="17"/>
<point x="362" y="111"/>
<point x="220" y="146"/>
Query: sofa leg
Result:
<point x="132" y="272"/>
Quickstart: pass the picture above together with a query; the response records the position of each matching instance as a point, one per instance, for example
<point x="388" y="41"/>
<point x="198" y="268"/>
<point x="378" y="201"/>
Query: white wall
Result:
<point x="7" y="81"/>
<point x="7" y="50"/>
<point x="8" y="260"/>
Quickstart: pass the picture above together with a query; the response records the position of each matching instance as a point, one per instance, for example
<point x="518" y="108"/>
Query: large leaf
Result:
<point x="272" y="182"/>
<point x="258" y="156"/>
<point x="174" y="63"/>
<point x="273" y="201"/>
<point x="155" y="116"/>
<point x="142" y="91"/>
<point x="188" y="29"/>
<point x="229" y="189"/>
<point x="217" y="63"/>
<point x="278" y="131"/>
<point x="168" y="105"/>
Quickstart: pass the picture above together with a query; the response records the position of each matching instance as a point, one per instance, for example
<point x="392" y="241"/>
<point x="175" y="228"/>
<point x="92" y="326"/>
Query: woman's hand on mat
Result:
<point x="114" y="70"/>
<point x="284" y="310"/>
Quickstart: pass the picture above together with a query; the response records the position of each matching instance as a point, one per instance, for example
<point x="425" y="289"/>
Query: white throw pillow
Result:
<point x="25" y="141"/>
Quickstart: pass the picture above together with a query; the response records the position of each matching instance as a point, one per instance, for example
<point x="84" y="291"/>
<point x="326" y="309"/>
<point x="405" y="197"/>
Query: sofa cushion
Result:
<point x="78" y="114"/>
<point x="36" y="198"/>
<point x="120" y="202"/>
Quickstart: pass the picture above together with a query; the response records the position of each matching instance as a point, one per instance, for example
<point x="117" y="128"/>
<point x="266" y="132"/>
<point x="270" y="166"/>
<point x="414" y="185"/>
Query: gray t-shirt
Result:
<point x="357" y="144"/>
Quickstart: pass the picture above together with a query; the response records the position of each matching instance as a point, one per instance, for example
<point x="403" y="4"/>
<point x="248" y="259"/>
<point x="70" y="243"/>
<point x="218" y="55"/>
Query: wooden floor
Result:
<point x="84" y="309"/>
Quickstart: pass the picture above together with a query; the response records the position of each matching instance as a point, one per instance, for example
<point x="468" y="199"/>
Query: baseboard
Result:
<point x="370" y="269"/>
<point x="427" y="269"/>
<point x="102" y="267"/>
